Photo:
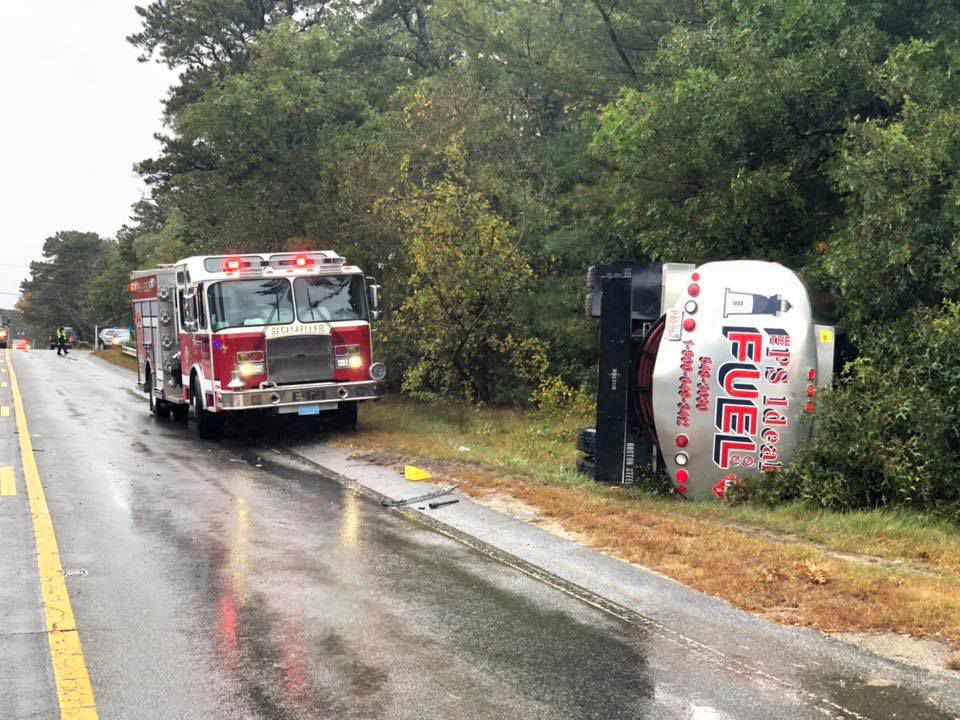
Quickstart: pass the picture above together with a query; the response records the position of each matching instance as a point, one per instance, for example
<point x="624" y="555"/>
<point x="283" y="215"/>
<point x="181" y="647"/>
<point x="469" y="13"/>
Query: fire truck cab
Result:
<point x="274" y="333"/>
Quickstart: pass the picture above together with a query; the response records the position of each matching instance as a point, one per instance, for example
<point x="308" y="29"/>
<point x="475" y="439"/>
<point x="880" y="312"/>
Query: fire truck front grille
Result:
<point x="302" y="359"/>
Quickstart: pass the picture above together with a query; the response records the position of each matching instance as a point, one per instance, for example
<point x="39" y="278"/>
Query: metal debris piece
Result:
<point x="434" y="506"/>
<point x="418" y="498"/>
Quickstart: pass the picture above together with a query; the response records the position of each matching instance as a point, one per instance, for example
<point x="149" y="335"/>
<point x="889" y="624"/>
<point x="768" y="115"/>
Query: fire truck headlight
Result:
<point x="378" y="371"/>
<point x="348" y="356"/>
<point x="249" y="369"/>
<point x="251" y="363"/>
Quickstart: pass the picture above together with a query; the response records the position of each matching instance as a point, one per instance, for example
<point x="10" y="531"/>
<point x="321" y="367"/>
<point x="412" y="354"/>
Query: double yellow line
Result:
<point x="8" y="478"/>
<point x="74" y="691"/>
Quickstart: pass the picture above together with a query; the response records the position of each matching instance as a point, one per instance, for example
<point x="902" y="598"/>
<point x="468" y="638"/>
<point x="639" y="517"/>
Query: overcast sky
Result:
<point x="76" y="112"/>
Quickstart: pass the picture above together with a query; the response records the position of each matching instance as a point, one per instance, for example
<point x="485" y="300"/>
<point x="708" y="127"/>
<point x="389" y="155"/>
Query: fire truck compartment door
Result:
<point x="730" y="388"/>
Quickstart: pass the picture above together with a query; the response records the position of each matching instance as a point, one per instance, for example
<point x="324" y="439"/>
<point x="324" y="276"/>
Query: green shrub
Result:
<point x="888" y="434"/>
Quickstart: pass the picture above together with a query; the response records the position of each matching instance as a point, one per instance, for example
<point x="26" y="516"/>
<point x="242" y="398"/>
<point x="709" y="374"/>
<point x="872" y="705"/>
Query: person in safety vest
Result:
<point x="62" y="341"/>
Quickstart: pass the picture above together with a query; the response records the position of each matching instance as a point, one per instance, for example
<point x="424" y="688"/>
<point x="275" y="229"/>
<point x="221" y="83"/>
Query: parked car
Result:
<point x="22" y="344"/>
<point x="4" y="337"/>
<point x="112" y="337"/>
<point x="71" y="337"/>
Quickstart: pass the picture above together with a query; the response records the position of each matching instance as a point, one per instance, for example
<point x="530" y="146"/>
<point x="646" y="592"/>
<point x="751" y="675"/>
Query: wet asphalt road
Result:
<point x="223" y="581"/>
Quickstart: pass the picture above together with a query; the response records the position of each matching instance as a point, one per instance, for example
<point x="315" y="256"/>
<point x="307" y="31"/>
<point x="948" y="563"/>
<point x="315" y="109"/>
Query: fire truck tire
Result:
<point x="208" y="426"/>
<point x="345" y="416"/>
<point x="586" y="466"/>
<point x="158" y="408"/>
<point x="587" y="441"/>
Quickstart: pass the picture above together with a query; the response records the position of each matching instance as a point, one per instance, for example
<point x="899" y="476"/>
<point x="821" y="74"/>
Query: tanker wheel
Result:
<point x="587" y="441"/>
<point x="587" y="466"/>
<point x="208" y="426"/>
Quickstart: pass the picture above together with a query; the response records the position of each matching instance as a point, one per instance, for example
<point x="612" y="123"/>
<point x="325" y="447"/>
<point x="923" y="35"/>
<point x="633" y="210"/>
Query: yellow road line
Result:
<point x="74" y="691"/>
<point x="8" y="482"/>
<point x="5" y="411"/>
<point x="3" y="384"/>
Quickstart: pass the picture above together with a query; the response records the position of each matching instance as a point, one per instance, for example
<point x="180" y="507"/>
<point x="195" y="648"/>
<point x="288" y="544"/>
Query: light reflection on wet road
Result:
<point x="219" y="589"/>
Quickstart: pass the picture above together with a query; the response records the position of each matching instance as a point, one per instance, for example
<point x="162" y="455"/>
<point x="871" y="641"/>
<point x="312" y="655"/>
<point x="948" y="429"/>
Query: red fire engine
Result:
<point x="274" y="333"/>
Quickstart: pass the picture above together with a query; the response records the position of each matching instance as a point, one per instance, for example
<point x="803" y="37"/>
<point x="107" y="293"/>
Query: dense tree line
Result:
<point x="480" y="154"/>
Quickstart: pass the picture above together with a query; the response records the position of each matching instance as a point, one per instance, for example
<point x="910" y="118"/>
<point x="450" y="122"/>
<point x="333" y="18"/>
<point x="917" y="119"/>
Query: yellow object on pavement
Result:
<point x="415" y="474"/>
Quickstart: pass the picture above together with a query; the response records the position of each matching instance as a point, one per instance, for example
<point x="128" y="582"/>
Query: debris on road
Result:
<point x="415" y="474"/>
<point x="419" y="498"/>
<point x="435" y="505"/>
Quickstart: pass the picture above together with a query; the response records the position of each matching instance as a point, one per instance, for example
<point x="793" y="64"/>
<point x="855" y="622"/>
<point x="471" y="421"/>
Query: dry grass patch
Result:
<point x="529" y="456"/>
<point x="116" y="357"/>
<point x="537" y="447"/>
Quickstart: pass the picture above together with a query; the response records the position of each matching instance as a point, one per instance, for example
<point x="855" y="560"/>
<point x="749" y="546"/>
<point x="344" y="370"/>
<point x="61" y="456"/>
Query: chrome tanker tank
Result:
<point x="710" y="373"/>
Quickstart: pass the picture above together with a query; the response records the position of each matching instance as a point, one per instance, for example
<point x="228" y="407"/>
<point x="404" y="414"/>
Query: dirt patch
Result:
<point x="954" y="662"/>
<point x="925" y="653"/>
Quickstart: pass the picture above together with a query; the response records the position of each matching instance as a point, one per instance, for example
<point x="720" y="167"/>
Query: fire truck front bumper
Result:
<point x="293" y="395"/>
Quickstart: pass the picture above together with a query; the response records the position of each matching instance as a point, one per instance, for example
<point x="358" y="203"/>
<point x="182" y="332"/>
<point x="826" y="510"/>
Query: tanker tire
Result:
<point x="587" y="466"/>
<point x="207" y="425"/>
<point x="587" y="441"/>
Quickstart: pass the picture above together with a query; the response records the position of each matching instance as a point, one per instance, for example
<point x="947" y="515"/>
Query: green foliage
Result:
<point x="106" y="295"/>
<point x="56" y="293"/>
<point x="254" y="159"/>
<point x="877" y="445"/>
<point x="896" y="248"/>
<point x="457" y="315"/>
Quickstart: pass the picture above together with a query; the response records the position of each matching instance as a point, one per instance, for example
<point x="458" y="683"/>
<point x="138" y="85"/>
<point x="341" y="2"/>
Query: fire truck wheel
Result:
<point x="208" y="426"/>
<point x="586" y="466"/>
<point x="345" y="416"/>
<point x="158" y="408"/>
<point x="587" y="441"/>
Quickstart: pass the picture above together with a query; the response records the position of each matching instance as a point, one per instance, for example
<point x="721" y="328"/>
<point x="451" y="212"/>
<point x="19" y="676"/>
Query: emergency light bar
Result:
<point x="276" y="261"/>
<point x="302" y="260"/>
<point x="237" y="263"/>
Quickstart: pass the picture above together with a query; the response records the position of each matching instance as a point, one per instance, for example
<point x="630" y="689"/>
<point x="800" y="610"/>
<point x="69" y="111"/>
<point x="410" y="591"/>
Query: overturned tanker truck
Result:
<point x="707" y="373"/>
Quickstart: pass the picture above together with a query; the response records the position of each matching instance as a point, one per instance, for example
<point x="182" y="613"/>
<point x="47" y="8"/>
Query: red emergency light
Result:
<point x="303" y="261"/>
<point x="232" y="264"/>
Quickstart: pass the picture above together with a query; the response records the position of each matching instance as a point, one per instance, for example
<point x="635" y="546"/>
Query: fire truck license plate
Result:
<point x="309" y="410"/>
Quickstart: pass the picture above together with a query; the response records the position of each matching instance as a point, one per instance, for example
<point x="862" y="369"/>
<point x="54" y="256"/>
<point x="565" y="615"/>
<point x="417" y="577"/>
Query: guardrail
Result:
<point x="126" y="350"/>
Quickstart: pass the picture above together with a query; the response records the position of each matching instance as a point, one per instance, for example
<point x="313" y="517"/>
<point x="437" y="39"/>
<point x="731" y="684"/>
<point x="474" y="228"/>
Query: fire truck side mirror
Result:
<point x="374" y="293"/>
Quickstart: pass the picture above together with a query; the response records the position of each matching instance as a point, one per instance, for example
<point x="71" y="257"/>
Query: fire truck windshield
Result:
<point x="329" y="298"/>
<point x="246" y="303"/>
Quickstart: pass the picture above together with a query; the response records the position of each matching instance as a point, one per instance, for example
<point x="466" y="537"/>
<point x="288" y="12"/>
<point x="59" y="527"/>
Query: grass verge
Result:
<point x="866" y="571"/>
<point x="115" y="356"/>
